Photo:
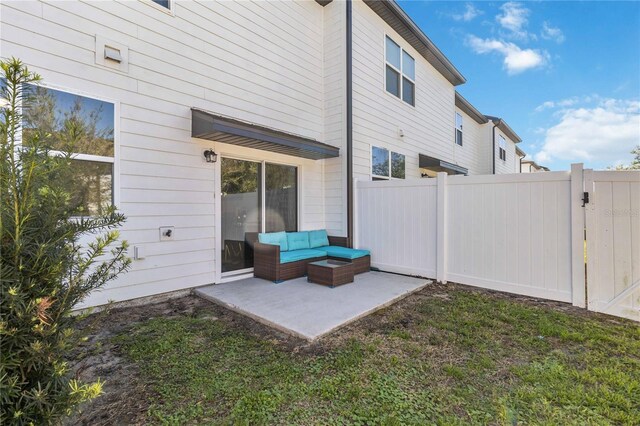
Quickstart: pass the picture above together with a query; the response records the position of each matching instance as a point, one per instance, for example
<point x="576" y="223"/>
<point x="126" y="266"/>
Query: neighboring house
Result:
<point x="471" y="143"/>
<point x="503" y="142"/>
<point x="296" y="100"/>
<point x="530" y="166"/>
<point x="486" y="144"/>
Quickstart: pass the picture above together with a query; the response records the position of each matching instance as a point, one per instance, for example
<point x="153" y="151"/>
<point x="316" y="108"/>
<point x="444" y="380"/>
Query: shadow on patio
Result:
<point x="310" y="310"/>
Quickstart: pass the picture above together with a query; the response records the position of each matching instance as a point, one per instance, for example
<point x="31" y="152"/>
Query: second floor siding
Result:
<point x="378" y="115"/>
<point x="250" y="60"/>
<point x="470" y="154"/>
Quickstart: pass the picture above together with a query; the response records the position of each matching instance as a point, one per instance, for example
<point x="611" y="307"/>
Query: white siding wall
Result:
<point x="335" y="190"/>
<point x="250" y="60"/>
<point x="469" y="155"/>
<point x="512" y="164"/>
<point x="377" y="115"/>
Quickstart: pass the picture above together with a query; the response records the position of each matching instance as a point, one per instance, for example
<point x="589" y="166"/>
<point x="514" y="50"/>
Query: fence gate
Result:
<point x="613" y="242"/>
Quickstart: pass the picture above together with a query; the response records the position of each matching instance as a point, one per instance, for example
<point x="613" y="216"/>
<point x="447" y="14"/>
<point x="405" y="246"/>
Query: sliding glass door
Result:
<point x="255" y="197"/>
<point x="281" y="198"/>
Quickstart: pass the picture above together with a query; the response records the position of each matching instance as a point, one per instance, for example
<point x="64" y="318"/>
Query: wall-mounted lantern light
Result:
<point x="210" y="156"/>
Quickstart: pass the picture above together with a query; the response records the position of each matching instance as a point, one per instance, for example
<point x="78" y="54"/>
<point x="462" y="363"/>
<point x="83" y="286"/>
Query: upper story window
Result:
<point x="84" y="127"/>
<point x="458" y="129"/>
<point x="400" y="72"/>
<point x="502" y="148"/>
<point x="163" y="3"/>
<point x="386" y="164"/>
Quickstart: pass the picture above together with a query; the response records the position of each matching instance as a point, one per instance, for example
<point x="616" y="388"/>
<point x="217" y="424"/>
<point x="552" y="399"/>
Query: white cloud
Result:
<point x="514" y="18"/>
<point x="563" y="103"/>
<point x="552" y="33"/>
<point x="602" y="135"/>
<point x="516" y="60"/>
<point x="470" y="13"/>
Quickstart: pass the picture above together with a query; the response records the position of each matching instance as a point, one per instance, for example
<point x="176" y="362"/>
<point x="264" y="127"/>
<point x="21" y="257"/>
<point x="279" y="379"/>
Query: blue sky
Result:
<point x="564" y="75"/>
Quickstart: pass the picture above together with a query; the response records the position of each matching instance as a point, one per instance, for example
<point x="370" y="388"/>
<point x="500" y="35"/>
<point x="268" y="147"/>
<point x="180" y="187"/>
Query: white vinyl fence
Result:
<point x="613" y="242"/>
<point x="519" y="233"/>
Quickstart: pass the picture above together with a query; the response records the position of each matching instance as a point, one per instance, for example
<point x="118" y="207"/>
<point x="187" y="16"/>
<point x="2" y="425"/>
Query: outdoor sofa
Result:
<point x="280" y="256"/>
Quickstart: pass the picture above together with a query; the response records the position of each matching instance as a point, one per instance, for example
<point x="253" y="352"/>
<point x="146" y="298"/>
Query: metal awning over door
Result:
<point x="206" y="125"/>
<point x="437" y="165"/>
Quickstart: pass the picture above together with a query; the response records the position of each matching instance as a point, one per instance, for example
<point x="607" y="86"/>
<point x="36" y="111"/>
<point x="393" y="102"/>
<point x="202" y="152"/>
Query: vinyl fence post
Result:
<point x="441" y="221"/>
<point x="578" y="284"/>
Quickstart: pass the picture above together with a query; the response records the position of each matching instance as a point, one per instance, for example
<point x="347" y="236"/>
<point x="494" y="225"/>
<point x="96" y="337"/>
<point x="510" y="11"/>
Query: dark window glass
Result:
<point x="68" y="122"/>
<point x="90" y="184"/>
<point x="241" y="211"/>
<point x="393" y="81"/>
<point x="397" y="166"/>
<point x="281" y="198"/>
<point x="393" y="53"/>
<point x="163" y="3"/>
<point x="79" y="125"/>
<point x="408" y="66"/>
<point x="459" y="137"/>
<point x="379" y="161"/>
<point x="503" y="154"/>
<point x="408" y="91"/>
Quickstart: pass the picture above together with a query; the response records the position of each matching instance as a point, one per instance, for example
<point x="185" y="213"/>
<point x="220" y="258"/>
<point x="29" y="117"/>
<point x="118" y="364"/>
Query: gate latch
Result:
<point x="585" y="198"/>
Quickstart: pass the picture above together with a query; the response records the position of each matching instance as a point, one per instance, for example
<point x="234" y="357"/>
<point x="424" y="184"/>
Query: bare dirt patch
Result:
<point x="126" y="393"/>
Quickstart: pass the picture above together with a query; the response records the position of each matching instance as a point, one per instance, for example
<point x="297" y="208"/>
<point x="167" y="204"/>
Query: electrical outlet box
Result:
<point x="167" y="233"/>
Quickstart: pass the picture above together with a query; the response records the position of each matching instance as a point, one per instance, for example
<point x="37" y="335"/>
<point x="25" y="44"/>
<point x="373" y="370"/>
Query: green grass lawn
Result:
<point x="448" y="355"/>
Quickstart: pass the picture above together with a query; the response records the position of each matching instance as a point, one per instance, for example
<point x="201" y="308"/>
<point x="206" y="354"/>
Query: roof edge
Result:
<point x="502" y="125"/>
<point x="470" y="110"/>
<point x="439" y="61"/>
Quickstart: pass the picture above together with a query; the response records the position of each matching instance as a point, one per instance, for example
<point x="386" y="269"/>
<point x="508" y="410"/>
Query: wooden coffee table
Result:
<point x="330" y="272"/>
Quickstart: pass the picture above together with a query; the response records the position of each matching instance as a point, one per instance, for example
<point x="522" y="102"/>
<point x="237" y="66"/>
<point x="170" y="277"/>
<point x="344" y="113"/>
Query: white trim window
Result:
<point x="502" y="148"/>
<point x="163" y="3"/>
<point x="458" y="129"/>
<point x="386" y="164"/>
<point x="400" y="72"/>
<point x="84" y="127"/>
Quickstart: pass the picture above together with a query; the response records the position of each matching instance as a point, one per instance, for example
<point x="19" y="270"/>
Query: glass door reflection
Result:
<point x="241" y="212"/>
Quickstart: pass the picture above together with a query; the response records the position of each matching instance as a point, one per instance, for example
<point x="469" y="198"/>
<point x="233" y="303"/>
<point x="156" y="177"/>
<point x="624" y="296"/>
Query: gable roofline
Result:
<point x="520" y="152"/>
<point x="397" y="18"/>
<point x="502" y="125"/>
<point x="470" y="110"/>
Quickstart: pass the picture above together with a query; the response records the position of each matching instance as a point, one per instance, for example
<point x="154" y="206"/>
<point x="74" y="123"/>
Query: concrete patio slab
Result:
<point x="310" y="310"/>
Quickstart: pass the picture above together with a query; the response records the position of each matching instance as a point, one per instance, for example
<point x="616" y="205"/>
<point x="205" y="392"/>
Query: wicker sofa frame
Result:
<point x="266" y="262"/>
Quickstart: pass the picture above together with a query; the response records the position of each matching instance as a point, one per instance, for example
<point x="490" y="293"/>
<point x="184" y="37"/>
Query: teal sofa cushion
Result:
<point x="302" y="254"/>
<point x="275" y="238"/>
<point x="318" y="238"/>
<point x="343" y="252"/>
<point x="298" y="240"/>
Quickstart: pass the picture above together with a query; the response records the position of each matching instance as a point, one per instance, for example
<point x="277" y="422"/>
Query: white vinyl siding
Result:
<point x="378" y="116"/>
<point x="231" y="58"/>
<point x="475" y="143"/>
<point x="511" y="163"/>
<point x="335" y="118"/>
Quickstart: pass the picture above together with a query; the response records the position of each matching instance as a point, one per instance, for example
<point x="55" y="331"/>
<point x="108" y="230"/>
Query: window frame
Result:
<point x="400" y="72"/>
<point x="460" y="130"/>
<point x="115" y="160"/>
<point x="502" y="148"/>
<point x="389" y="156"/>
<point x="168" y="10"/>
